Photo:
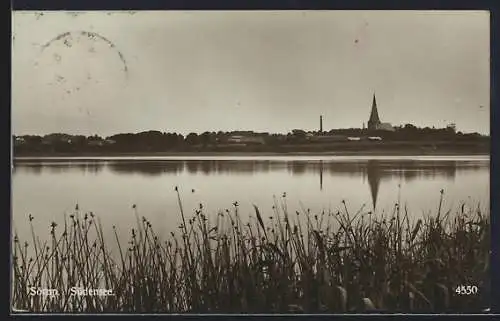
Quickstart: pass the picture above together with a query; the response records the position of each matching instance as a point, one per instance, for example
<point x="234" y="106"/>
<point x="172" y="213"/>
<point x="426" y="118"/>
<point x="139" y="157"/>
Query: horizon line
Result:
<point x="242" y="130"/>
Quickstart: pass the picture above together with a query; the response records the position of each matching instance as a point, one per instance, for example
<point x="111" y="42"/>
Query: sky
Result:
<point x="269" y="71"/>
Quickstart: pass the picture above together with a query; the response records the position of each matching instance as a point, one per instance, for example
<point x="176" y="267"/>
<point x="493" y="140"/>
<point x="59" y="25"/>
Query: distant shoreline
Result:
<point x="253" y="153"/>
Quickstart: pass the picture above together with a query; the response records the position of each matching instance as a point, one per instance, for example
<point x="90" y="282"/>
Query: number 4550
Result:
<point x="466" y="290"/>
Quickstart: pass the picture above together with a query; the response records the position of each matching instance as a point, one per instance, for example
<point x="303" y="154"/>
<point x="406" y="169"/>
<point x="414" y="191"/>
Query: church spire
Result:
<point x="374" y="120"/>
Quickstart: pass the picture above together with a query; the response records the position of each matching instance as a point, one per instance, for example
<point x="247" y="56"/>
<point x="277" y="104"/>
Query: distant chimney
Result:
<point x="320" y="123"/>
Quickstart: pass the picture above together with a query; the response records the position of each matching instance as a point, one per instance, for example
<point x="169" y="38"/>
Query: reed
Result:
<point x="329" y="262"/>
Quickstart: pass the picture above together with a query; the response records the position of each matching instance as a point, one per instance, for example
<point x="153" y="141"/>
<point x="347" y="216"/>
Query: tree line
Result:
<point x="164" y="141"/>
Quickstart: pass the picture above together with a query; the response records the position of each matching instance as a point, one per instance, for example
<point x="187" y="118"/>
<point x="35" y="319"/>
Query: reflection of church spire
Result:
<point x="373" y="173"/>
<point x="321" y="175"/>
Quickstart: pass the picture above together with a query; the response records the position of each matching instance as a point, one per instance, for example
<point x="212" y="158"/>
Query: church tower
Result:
<point x="374" y="121"/>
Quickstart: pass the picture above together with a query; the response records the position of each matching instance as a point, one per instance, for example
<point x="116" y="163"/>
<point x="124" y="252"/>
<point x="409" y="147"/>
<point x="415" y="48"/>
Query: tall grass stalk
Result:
<point x="330" y="262"/>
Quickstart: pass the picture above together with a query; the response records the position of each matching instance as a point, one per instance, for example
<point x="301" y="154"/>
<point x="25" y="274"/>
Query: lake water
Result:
<point x="50" y="187"/>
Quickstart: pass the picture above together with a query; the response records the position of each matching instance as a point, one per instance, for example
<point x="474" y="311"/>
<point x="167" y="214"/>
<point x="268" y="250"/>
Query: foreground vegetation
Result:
<point x="286" y="262"/>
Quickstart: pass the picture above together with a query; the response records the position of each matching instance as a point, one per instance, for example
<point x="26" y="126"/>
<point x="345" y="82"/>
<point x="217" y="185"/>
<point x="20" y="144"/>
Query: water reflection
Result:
<point x="321" y="175"/>
<point x="48" y="188"/>
<point x="405" y="169"/>
<point x="58" y="167"/>
<point x="373" y="171"/>
<point x="374" y="176"/>
<point x="145" y="168"/>
<point x="408" y="169"/>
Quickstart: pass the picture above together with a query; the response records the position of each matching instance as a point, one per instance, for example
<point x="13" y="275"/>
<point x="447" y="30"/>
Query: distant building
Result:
<point x="110" y="141"/>
<point x="19" y="141"/>
<point x="322" y="136"/>
<point x="386" y="127"/>
<point x="247" y="140"/>
<point x="374" y="122"/>
<point x="327" y="138"/>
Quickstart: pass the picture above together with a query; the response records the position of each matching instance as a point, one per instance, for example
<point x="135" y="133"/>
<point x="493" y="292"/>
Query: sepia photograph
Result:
<point x="250" y="162"/>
